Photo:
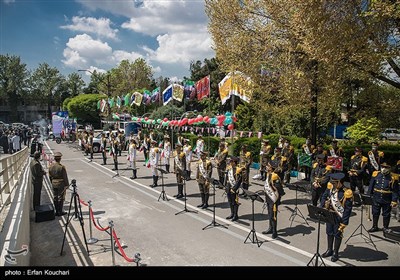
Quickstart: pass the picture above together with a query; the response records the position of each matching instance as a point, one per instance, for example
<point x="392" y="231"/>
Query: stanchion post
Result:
<point x="111" y="224"/>
<point x="91" y="240"/>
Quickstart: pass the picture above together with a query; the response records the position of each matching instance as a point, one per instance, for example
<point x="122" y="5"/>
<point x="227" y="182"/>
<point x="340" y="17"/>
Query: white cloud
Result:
<point x="181" y="48"/>
<point x="101" y="27"/>
<point x="82" y="51"/>
<point x="94" y="68"/>
<point x="155" y="17"/>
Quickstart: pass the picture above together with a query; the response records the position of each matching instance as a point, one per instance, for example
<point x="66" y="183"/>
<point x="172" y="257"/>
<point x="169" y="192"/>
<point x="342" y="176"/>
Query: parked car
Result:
<point x="391" y="134"/>
<point x="97" y="140"/>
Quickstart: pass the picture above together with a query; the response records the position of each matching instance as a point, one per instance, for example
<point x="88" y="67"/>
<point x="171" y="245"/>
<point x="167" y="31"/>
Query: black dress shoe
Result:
<point x="373" y="229"/>
<point x="268" y="231"/>
<point x="61" y="214"/>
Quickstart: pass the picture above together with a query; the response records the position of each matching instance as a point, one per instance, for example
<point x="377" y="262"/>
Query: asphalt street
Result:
<point x="166" y="235"/>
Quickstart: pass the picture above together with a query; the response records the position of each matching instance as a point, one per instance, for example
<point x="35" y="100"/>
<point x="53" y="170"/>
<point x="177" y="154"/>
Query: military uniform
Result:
<point x="245" y="162"/>
<point x="319" y="180"/>
<point x="187" y="149"/>
<point x="265" y="155"/>
<point x="199" y="146"/>
<point x="154" y="157"/>
<point x="132" y="157"/>
<point x="167" y="152"/>
<point x="37" y="174"/>
<point x="308" y="150"/>
<point x="234" y="178"/>
<point x="279" y="162"/>
<point x="203" y="175"/>
<point x="220" y="158"/>
<point x="179" y="168"/>
<point x="375" y="158"/>
<point x="59" y="180"/>
<point x="384" y="188"/>
<point x="103" y="148"/>
<point x="90" y="145"/>
<point x="114" y="151"/>
<point x="273" y="191"/>
<point x="288" y="153"/>
<point x="358" y="164"/>
<point x="340" y="200"/>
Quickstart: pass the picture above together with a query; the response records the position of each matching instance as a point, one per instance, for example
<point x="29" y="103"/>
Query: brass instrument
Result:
<point x="352" y="172"/>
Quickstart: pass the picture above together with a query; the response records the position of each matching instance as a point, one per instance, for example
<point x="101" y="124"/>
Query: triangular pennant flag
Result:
<point x="241" y="134"/>
<point x="259" y="134"/>
<point x="250" y="134"/>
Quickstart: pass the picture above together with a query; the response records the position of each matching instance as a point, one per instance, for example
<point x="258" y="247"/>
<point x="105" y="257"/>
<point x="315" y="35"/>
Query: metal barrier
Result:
<point x="11" y="168"/>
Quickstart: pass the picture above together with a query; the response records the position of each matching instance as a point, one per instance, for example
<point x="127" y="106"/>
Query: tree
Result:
<point x="75" y="84"/>
<point x="301" y="54"/>
<point x="13" y="75"/>
<point x="84" y="108"/>
<point x="47" y="86"/>
<point x="365" y="130"/>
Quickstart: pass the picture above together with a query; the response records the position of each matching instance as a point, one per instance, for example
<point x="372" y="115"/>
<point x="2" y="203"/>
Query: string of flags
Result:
<point x="234" y="83"/>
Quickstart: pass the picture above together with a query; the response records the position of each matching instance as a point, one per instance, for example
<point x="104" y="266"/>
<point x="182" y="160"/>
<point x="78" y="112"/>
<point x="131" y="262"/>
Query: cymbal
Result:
<point x="253" y="195"/>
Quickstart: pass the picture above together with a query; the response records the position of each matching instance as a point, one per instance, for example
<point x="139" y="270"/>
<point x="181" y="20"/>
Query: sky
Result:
<point x="98" y="34"/>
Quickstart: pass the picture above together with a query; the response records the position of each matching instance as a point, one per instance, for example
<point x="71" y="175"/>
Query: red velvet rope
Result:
<point x="120" y="248"/>
<point x="83" y="202"/>
<point x="94" y="222"/>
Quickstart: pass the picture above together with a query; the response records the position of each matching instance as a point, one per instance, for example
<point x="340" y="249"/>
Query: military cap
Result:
<point x="273" y="164"/>
<point x="186" y="140"/>
<point x="178" y="145"/>
<point x="336" y="176"/>
<point x="320" y="145"/>
<point x="358" y="149"/>
<point x="265" y="141"/>
<point x="334" y="141"/>
<point x="320" y="156"/>
<point x="200" y="136"/>
<point x="203" y="153"/>
<point x="153" y="142"/>
<point x="166" y="136"/>
<point x="385" y="164"/>
<point x="374" y="143"/>
<point x="278" y="148"/>
<point x="57" y="154"/>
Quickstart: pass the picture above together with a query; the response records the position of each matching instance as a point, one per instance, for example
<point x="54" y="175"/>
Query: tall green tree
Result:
<point x="75" y="84"/>
<point x="47" y="86"/>
<point x="13" y="76"/>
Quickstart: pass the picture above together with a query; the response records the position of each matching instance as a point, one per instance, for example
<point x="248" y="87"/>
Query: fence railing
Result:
<point x="11" y="168"/>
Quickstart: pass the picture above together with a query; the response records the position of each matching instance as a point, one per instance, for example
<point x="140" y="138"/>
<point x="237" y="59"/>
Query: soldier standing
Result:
<point x="357" y="168"/>
<point x="273" y="192"/>
<point x="221" y="162"/>
<point x="375" y="158"/>
<point x="340" y="200"/>
<point x="335" y="150"/>
<point x="306" y="165"/>
<point x="288" y="153"/>
<point x="132" y="157"/>
<point x="59" y="180"/>
<point x="199" y="146"/>
<point x="384" y="188"/>
<point x="187" y="149"/>
<point x="245" y="162"/>
<point x="114" y="150"/>
<point x="319" y="178"/>
<point x="179" y="168"/>
<point x="90" y="145"/>
<point x="154" y="157"/>
<point x="167" y="152"/>
<point x="203" y="175"/>
<point x="280" y="162"/>
<point x="265" y="155"/>
<point x="37" y="179"/>
<point x="233" y="181"/>
<point x="103" y="148"/>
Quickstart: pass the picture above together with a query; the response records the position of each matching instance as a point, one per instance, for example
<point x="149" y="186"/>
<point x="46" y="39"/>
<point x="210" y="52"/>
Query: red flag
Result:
<point x="203" y="88"/>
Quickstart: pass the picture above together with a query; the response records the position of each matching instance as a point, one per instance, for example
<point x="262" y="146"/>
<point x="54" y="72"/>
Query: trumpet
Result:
<point x="352" y="172"/>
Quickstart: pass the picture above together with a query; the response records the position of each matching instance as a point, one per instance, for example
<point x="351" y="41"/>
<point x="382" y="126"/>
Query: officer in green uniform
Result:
<point x="59" y="180"/>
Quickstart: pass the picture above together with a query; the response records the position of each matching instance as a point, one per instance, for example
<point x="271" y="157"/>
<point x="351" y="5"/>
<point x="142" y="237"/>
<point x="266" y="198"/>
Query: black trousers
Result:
<point x="37" y="191"/>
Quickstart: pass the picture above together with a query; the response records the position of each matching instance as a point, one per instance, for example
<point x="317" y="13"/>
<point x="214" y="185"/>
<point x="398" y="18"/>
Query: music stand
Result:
<point x="214" y="183"/>
<point x="296" y="210"/>
<point x="163" y="195"/>
<point x="252" y="234"/>
<point x="184" y="195"/>
<point x="77" y="213"/>
<point x="322" y="215"/>
<point x="362" y="199"/>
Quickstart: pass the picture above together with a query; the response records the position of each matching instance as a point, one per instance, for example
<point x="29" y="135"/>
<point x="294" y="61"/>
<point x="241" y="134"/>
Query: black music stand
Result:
<point x="163" y="195"/>
<point x="252" y="234"/>
<point x="184" y="194"/>
<point x="322" y="215"/>
<point x="214" y="183"/>
<point x="296" y="210"/>
<point x="362" y="199"/>
<point x="77" y="213"/>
